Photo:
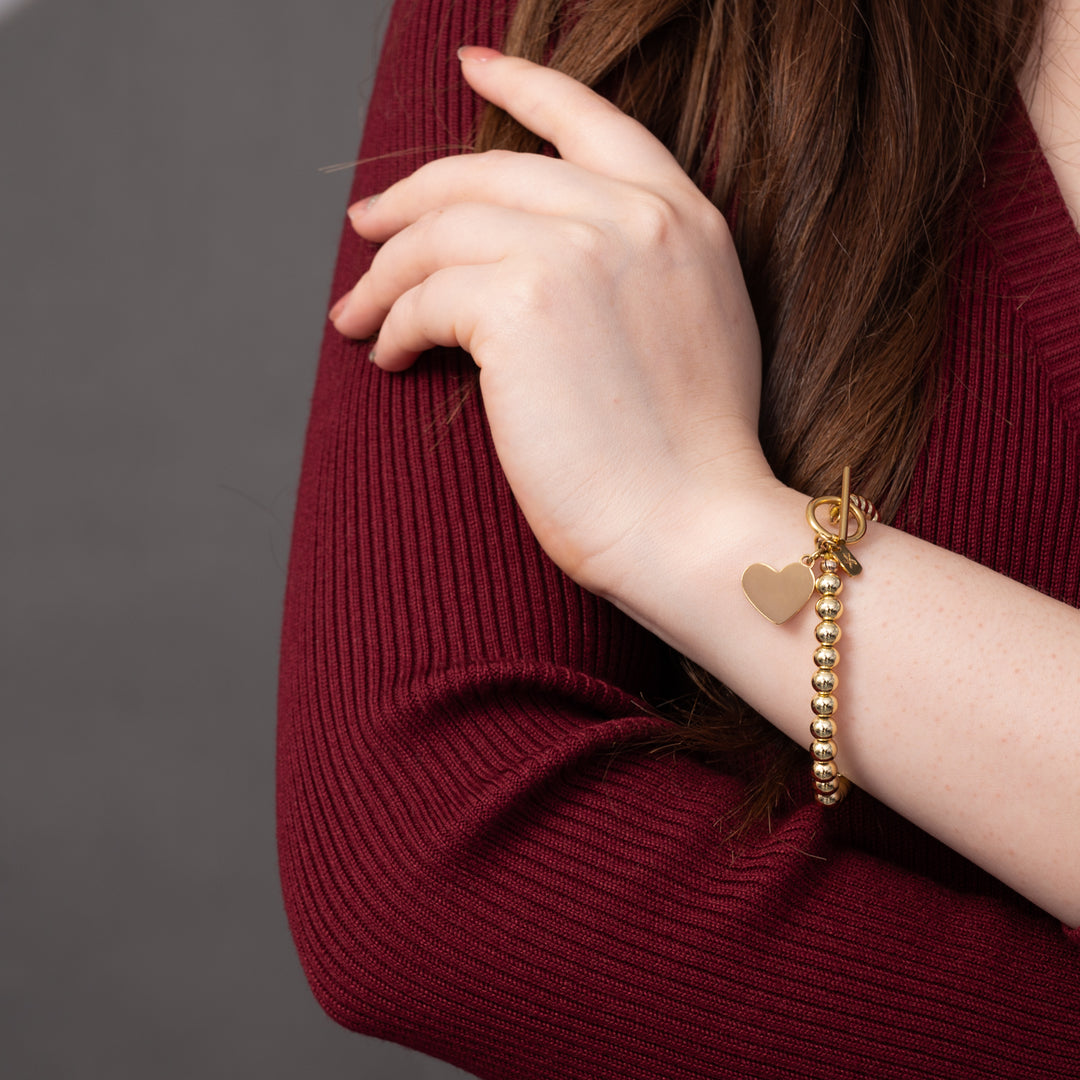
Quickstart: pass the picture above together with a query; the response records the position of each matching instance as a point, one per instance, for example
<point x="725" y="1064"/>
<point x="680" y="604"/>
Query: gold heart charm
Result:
<point x="778" y="594"/>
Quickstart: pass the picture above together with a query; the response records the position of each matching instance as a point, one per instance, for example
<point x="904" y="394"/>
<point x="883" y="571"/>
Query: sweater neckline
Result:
<point x="1038" y="247"/>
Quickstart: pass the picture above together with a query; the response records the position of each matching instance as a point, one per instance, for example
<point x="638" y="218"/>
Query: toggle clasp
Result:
<point x="837" y="542"/>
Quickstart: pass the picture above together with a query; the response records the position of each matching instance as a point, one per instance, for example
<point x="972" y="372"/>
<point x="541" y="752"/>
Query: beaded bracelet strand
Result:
<point x="781" y="594"/>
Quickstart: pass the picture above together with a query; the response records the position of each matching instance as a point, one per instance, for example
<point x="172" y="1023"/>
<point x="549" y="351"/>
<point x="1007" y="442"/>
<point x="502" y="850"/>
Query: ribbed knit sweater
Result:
<point x="476" y="864"/>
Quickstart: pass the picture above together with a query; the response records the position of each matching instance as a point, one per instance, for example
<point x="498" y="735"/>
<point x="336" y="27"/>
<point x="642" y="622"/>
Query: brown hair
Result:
<point x="837" y="134"/>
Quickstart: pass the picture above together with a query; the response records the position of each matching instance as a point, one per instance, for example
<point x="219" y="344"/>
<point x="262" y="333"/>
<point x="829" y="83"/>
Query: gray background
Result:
<point x="166" y="241"/>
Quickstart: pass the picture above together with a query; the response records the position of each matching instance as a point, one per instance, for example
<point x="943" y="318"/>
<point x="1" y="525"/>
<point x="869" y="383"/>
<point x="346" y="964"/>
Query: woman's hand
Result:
<point x="602" y="299"/>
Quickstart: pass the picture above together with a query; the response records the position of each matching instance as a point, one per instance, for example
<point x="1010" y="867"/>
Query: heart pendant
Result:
<point x="778" y="594"/>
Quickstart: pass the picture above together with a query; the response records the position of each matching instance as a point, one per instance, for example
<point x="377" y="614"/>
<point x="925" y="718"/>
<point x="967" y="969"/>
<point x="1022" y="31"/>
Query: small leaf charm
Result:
<point x="778" y="594"/>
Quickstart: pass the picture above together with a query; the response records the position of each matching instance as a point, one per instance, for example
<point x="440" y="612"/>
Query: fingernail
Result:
<point x="338" y="308"/>
<point x="371" y="351"/>
<point x="479" y="54"/>
<point x="359" y="207"/>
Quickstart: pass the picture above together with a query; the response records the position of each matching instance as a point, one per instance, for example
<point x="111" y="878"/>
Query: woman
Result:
<point x="484" y="856"/>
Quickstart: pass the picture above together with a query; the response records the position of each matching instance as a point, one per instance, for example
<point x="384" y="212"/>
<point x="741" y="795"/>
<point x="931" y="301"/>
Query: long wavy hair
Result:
<point x="837" y="136"/>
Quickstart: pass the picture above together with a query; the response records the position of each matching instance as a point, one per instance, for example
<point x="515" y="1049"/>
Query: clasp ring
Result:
<point x="826" y="534"/>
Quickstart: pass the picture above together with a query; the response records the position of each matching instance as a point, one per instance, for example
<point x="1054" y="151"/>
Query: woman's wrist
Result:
<point x="682" y="579"/>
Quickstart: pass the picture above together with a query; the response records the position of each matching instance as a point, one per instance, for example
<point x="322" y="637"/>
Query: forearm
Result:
<point x="959" y="688"/>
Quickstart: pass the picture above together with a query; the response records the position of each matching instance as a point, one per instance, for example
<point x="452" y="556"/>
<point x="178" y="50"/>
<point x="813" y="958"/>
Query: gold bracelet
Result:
<point x="781" y="594"/>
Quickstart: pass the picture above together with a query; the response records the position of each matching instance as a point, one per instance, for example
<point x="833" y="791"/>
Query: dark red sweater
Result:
<point x="475" y="865"/>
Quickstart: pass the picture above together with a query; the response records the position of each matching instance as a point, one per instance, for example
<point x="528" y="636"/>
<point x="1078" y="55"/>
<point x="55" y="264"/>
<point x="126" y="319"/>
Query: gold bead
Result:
<point x="829" y="566"/>
<point x="825" y="680"/>
<point x="823" y="750"/>
<point x="823" y="705"/>
<point x="841" y="786"/>
<point x="825" y="771"/>
<point x="829" y="584"/>
<point x="827" y="632"/>
<point x="828" y="607"/>
<point x="826" y="657"/>
<point x="823" y="728"/>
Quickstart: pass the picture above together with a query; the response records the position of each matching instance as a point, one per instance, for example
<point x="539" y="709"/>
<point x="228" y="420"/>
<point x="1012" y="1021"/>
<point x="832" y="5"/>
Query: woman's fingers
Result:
<point x="603" y="152"/>
<point x="585" y="128"/>
<point x="468" y="234"/>
<point x="540" y="185"/>
<point x="439" y="311"/>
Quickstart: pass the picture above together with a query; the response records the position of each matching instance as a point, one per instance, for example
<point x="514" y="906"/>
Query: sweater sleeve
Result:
<point x="477" y="863"/>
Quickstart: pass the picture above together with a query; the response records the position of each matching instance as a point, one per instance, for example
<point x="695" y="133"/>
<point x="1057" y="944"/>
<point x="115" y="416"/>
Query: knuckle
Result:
<point x="587" y="239"/>
<point x="529" y="288"/>
<point x="715" y="229"/>
<point x="655" y="220"/>
<point x="494" y="159"/>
